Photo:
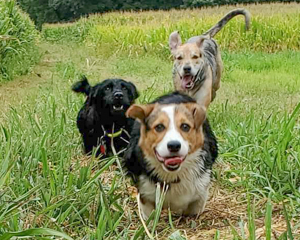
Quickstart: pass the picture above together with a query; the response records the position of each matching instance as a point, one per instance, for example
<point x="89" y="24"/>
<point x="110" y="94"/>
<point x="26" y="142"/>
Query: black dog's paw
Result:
<point x="82" y="86"/>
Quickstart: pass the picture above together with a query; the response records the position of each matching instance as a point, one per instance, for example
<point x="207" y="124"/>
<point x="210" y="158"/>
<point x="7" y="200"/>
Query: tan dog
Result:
<point x="197" y="63"/>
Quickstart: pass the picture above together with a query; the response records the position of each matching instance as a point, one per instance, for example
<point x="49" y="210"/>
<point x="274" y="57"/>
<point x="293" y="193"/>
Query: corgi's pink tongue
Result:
<point x="186" y="81"/>
<point x="173" y="161"/>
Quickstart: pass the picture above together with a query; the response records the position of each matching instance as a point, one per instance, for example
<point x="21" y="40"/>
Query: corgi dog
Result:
<point x="171" y="143"/>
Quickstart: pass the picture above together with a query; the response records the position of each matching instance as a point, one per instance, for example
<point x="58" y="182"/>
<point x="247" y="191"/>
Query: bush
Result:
<point x="18" y="38"/>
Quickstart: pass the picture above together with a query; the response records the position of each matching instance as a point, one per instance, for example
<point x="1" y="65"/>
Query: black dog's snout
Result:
<point x="174" y="146"/>
<point x="118" y="95"/>
<point x="187" y="69"/>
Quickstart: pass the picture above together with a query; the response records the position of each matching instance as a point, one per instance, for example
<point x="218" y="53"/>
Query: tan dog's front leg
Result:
<point x="204" y="95"/>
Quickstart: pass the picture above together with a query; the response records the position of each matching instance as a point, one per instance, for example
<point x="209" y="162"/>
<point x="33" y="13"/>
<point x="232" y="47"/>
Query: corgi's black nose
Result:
<point x="174" y="146"/>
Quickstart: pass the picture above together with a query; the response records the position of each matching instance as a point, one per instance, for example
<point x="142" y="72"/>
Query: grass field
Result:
<point x="46" y="182"/>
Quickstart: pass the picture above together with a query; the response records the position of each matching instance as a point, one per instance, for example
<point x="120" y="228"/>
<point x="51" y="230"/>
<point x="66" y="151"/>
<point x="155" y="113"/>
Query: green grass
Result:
<point x="272" y="30"/>
<point x="18" y="42"/>
<point x="46" y="182"/>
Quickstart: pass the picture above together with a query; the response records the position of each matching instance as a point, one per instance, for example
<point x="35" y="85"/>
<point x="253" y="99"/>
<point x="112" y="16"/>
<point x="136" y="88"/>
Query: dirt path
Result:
<point x="23" y="88"/>
<point x="16" y="92"/>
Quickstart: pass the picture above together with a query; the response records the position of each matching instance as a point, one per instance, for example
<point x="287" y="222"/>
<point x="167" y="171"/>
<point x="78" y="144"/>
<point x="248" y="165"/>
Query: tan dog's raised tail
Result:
<point x="197" y="63"/>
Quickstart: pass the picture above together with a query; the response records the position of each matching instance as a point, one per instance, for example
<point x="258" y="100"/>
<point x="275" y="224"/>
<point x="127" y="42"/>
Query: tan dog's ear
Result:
<point x="200" y="41"/>
<point x="174" y="41"/>
<point x="140" y="112"/>
<point x="199" y="113"/>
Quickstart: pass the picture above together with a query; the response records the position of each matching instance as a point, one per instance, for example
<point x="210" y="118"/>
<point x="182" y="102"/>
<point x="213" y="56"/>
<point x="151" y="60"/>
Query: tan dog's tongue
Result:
<point x="173" y="161"/>
<point x="186" y="80"/>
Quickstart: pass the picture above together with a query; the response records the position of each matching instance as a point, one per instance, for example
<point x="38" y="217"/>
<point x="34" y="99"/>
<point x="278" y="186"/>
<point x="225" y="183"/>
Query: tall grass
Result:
<point x="148" y="33"/>
<point x="46" y="182"/>
<point x="269" y="34"/>
<point x="18" y="41"/>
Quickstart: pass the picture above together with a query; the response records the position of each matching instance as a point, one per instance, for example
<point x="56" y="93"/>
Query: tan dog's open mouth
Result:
<point x="187" y="81"/>
<point x="171" y="163"/>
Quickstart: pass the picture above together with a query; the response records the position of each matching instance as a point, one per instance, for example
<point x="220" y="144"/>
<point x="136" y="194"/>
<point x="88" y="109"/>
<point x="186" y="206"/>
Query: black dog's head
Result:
<point x="112" y="96"/>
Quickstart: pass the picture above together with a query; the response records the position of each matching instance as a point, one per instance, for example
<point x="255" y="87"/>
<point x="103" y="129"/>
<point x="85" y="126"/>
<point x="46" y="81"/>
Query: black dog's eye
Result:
<point x="185" y="127"/>
<point x="107" y="88"/>
<point x="159" y="128"/>
<point x="124" y="88"/>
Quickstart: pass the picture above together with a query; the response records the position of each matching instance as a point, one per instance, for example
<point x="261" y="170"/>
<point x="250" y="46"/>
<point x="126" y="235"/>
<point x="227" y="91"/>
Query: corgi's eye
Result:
<point x="160" y="128"/>
<point x="195" y="56"/>
<point x="179" y="57"/>
<point x="185" y="127"/>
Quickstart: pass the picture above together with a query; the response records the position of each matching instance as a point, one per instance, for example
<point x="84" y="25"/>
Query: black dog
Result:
<point x="102" y="118"/>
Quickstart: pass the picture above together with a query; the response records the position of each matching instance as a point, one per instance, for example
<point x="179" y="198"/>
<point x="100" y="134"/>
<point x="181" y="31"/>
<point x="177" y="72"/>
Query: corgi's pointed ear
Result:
<point x="174" y="41"/>
<point x="140" y="112"/>
<point x="198" y="112"/>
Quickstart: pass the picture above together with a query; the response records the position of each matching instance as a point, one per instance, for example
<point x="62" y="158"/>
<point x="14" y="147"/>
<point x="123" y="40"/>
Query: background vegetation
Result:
<point x="66" y="10"/>
<point x="18" y="41"/>
<point x="46" y="182"/>
<point x="147" y="33"/>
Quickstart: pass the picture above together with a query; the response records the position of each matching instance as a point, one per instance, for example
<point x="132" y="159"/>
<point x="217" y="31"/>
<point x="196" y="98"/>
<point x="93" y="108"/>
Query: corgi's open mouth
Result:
<point x="187" y="81"/>
<point x="171" y="163"/>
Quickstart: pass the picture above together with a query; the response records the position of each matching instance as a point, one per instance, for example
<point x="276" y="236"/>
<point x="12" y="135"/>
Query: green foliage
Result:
<point x="45" y="182"/>
<point x="76" y="32"/>
<point x="18" y="39"/>
<point x="148" y="33"/>
<point x="44" y="11"/>
<point x="34" y="232"/>
<point x="203" y="3"/>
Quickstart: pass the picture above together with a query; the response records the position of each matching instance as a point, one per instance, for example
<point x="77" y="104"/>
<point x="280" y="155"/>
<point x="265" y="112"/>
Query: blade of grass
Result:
<point x="268" y="219"/>
<point x="288" y="224"/>
<point x="34" y="232"/>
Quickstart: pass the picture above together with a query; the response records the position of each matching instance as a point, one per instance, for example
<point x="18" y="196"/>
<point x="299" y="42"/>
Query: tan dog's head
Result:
<point x="188" y="58"/>
<point x="169" y="133"/>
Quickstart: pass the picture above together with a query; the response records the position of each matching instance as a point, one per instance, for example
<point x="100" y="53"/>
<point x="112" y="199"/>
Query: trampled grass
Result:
<point x="46" y="182"/>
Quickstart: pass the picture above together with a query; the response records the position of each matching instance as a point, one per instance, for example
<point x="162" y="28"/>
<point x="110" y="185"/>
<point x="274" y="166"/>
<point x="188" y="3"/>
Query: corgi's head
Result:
<point x="169" y="132"/>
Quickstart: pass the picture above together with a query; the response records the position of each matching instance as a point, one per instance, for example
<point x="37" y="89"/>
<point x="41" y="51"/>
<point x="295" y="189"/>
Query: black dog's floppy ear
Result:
<point x="82" y="86"/>
<point x="133" y="90"/>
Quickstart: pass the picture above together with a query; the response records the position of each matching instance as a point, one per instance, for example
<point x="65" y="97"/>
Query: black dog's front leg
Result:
<point x="91" y="131"/>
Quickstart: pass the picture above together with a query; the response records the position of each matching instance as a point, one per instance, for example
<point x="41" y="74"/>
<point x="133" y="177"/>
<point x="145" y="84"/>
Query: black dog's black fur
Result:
<point x="102" y="109"/>
<point x="134" y="159"/>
